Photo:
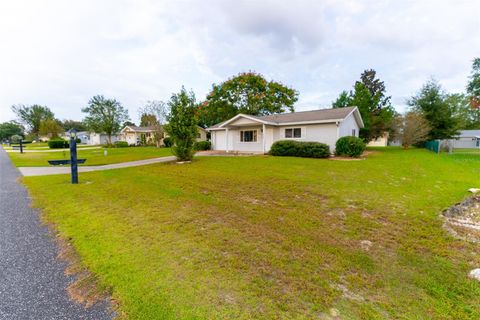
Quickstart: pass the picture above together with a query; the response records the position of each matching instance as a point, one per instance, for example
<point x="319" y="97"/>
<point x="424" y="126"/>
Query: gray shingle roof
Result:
<point x="313" y="115"/>
<point x="142" y="129"/>
<point x="303" y="116"/>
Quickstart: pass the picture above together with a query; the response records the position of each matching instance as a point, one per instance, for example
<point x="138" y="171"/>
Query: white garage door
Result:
<point x="219" y="141"/>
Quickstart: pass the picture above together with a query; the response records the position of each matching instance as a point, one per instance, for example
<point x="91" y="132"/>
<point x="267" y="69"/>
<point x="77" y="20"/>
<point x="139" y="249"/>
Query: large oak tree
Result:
<point x="248" y="93"/>
<point x="105" y="115"/>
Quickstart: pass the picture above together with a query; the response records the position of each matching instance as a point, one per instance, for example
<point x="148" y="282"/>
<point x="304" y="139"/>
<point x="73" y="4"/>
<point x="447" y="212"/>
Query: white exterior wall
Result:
<point x="218" y="140"/>
<point x="96" y="139"/>
<point x="237" y="145"/>
<point x="324" y="133"/>
<point x="347" y="126"/>
<point x="466" y="143"/>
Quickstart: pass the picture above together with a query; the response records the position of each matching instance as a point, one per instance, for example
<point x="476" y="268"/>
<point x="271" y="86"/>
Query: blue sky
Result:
<point x="60" y="53"/>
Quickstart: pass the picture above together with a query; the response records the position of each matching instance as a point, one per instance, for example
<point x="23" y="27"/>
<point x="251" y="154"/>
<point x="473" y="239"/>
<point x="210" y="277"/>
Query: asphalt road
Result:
<point x="32" y="280"/>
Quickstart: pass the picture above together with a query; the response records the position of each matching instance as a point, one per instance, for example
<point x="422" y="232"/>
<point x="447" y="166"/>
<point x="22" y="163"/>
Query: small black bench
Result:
<point x="64" y="162"/>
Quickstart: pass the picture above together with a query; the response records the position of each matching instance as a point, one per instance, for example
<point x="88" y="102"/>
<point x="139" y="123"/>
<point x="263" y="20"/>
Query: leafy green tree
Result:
<point x="128" y="123"/>
<point x="182" y="124"/>
<point x="467" y="116"/>
<point x="73" y="124"/>
<point x="344" y="100"/>
<point x="105" y="115"/>
<point x="473" y="87"/>
<point x="32" y="116"/>
<point x="473" y="91"/>
<point x="369" y="95"/>
<point x="248" y="93"/>
<point x="50" y="128"/>
<point x="9" y="129"/>
<point x="432" y="102"/>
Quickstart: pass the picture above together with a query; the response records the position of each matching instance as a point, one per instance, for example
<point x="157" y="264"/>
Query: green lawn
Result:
<point x="274" y="238"/>
<point x="93" y="156"/>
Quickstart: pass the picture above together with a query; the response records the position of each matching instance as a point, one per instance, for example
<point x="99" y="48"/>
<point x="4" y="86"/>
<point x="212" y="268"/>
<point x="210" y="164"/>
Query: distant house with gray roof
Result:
<point x="257" y="133"/>
<point x="467" y="139"/>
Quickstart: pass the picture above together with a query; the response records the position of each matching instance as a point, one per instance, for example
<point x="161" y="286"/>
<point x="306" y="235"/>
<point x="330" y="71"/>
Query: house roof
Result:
<point x="139" y="129"/>
<point x="469" y="133"/>
<point x="313" y="116"/>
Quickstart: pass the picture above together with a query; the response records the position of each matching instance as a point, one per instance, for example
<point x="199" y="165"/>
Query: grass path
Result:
<point x="274" y="238"/>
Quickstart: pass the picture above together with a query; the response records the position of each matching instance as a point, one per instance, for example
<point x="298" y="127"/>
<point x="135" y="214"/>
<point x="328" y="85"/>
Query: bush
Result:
<point x="284" y="148"/>
<point x="15" y="138"/>
<point x="120" y="144"/>
<point x="202" y="145"/>
<point x="300" y="149"/>
<point x="58" y="144"/>
<point x="78" y="140"/>
<point x="313" y="150"/>
<point x="168" y="142"/>
<point x="349" y="146"/>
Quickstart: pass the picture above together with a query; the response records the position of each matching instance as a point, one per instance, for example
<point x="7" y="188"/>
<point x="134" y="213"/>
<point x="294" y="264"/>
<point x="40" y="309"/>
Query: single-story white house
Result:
<point x="101" y="138"/>
<point x="133" y="134"/>
<point x="257" y="133"/>
<point x="469" y="139"/>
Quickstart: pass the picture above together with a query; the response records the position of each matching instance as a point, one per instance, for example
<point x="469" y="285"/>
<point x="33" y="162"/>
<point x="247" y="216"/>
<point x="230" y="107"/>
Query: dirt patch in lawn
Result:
<point x="85" y="289"/>
<point x="462" y="220"/>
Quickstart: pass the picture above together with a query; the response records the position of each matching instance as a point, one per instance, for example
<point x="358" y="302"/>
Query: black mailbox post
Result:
<point x="73" y="155"/>
<point x="21" y="145"/>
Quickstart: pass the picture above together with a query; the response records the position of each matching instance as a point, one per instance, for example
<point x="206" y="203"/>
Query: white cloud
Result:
<point x="60" y="53"/>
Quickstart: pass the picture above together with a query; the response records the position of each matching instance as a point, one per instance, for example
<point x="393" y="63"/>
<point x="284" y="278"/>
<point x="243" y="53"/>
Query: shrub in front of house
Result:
<point x="349" y="147"/>
<point x="202" y="145"/>
<point x="121" y="144"/>
<point x="167" y="142"/>
<point x="285" y="148"/>
<point x="58" y="143"/>
<point x="300" y="149"/>
<point x="313" y="150"/>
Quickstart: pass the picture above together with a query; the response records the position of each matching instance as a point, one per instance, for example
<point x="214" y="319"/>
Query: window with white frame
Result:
<point x="248" y="136"/>
<point x="293" y="133"/>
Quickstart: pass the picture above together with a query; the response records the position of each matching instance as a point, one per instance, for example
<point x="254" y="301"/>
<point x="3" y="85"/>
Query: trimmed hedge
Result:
<point x="120" y="144"/>
<point x="202" y="145"/>
<point x="58" y="144"/>
<point x="168" y="142"/>
<point x="350" y="147"/>
<point x="293" y="148"/>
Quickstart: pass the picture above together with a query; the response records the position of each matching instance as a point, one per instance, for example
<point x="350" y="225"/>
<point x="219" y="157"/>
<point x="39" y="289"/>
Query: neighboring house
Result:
<point x="133" y="135"/>
<point x="202" y="134"/>
<point x="380" y="141"/>
<point x="469" y="139"/>
<point x="101" y="138"/>
<point x="257" y="134"/>
<point x="84" y="136"/>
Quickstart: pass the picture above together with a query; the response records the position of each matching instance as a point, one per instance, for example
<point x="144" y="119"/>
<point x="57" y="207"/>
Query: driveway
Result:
<point x="32" y="280"/>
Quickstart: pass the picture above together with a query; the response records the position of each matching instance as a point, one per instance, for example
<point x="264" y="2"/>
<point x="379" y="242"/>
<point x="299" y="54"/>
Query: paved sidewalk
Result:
<point x="32" y="280"/>
<point x="43" y="171"/>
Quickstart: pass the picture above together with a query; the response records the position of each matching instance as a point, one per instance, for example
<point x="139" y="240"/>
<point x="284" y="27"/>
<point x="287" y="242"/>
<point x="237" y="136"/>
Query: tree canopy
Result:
<point x="50" y="128"/>
<point x="248" y="93"/>
<point x="105" y="115"/>
<point x="73" y="124"/>
<point x="369" y="95"/>
<point x="182" y="124"/>
<point x="32" y="116"/>
<point x="432" y="102"/>
<point x="9" y="129"/>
